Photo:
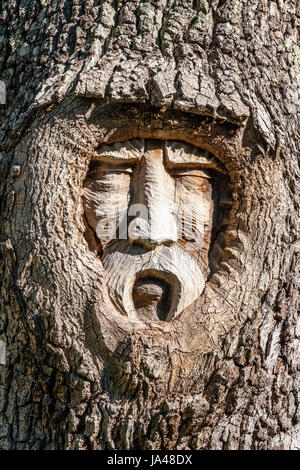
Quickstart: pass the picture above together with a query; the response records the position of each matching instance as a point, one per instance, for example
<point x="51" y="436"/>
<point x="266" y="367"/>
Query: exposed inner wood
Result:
<point x="162" y="206"/>
<point x="151" y="297"/>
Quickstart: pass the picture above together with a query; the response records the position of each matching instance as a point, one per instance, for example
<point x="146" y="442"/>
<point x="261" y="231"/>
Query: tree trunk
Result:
<point x="220" y="75"/>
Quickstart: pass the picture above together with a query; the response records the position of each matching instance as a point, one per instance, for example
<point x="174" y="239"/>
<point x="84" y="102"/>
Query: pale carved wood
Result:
<point x="156" y="219"/>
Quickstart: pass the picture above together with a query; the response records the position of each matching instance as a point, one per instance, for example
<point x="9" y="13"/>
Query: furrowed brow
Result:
<point x="129" y="151"/>
<point x="183" y="155"/>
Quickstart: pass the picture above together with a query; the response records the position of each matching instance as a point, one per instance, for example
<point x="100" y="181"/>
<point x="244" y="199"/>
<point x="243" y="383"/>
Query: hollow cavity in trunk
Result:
<point x="151" y="298"/>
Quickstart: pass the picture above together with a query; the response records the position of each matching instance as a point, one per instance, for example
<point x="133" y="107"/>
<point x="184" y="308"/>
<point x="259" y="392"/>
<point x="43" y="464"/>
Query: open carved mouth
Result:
<point x="152" y="297"/>
<point x="155" y="295"/>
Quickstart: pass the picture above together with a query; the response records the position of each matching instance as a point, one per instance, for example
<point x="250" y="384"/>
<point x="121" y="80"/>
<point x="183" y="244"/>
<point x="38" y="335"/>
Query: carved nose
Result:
<point x="163" y="229"/>
<point x="159" y="228"/>
<point x="154" y="191"/>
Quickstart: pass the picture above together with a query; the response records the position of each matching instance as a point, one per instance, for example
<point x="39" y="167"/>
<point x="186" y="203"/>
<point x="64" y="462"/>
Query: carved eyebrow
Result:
<point x="179" y="171"/>
<point x="129" y="151"/>
<point x="100" y="170"/>
<point x="178" y="155"/>
<point x="182" y="155"/>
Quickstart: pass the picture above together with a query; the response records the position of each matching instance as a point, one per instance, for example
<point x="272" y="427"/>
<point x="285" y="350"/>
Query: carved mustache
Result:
<point x="125" y="263"/>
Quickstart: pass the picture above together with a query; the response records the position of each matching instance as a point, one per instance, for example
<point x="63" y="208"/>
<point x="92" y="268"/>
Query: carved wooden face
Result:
<point x="152" y="209"/>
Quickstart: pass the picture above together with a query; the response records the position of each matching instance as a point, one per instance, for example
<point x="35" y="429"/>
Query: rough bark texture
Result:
<point x="220" y="75"/>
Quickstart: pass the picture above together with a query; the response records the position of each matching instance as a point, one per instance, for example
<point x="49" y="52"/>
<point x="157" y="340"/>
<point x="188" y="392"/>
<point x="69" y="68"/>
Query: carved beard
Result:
<point x="154" y="285"/>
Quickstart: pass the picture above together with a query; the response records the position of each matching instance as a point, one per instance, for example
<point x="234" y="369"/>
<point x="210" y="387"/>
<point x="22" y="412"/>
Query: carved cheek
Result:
<point x="195" y="207"/>
<point x="106" y="197"/>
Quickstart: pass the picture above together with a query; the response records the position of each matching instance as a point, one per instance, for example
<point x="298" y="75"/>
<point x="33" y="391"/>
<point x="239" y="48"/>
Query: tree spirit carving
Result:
<point x="155" y="212"/>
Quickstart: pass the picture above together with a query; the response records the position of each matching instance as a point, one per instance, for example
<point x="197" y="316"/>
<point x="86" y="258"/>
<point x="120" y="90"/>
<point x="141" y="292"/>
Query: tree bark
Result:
<point x="222" y="75"/>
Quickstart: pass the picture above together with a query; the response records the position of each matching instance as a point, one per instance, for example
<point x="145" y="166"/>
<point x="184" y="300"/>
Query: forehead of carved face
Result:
<point x="153" y="210"/>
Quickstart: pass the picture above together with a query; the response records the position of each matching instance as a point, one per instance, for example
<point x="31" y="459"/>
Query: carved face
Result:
<point x="152" y="208"/>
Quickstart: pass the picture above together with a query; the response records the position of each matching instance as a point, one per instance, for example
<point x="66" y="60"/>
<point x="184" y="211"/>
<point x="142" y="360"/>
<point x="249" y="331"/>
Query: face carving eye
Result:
<point x="193" y="183"/>
<point x="106" y="196"/>
<point x="192" y="172"/>
<point x="158" y="222"/>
